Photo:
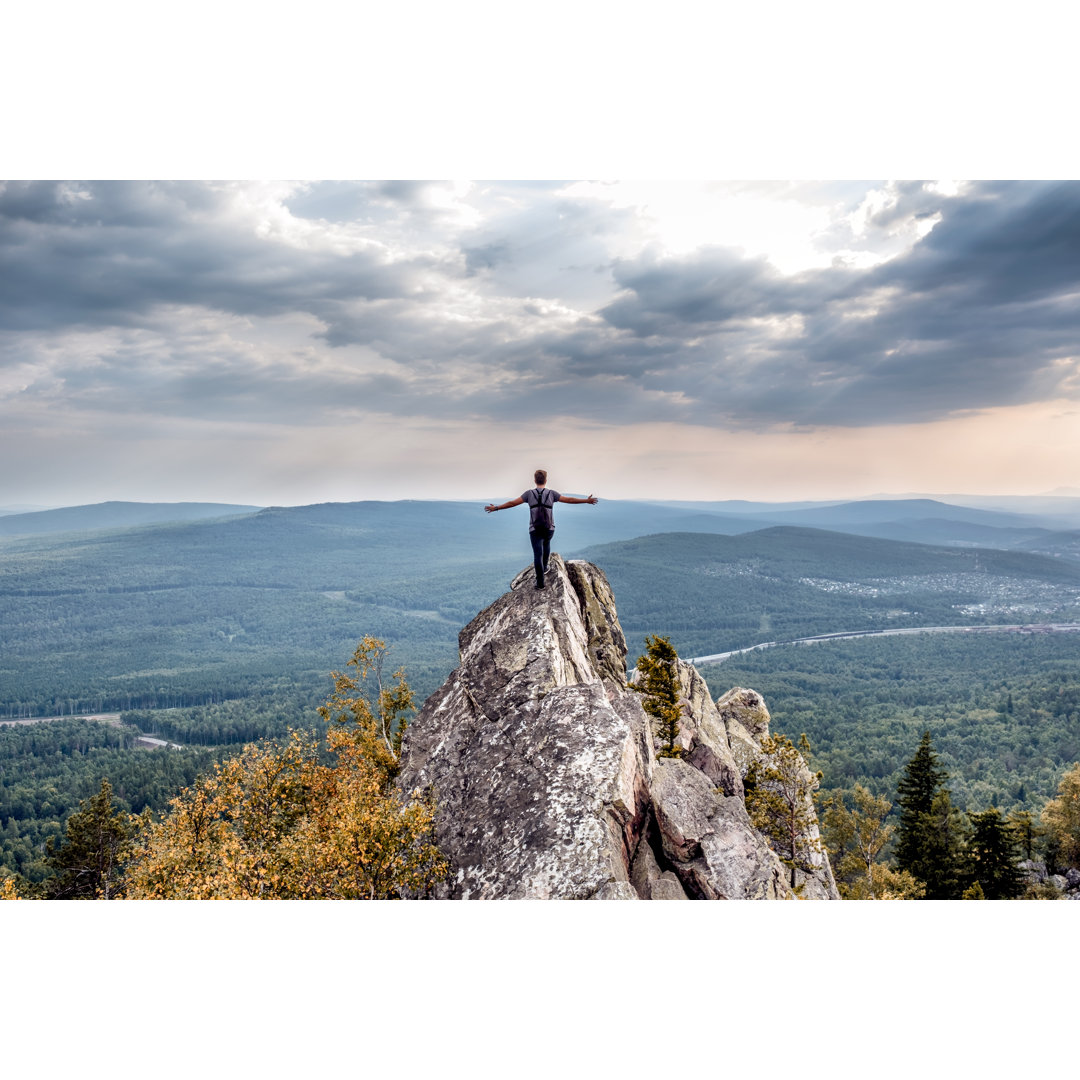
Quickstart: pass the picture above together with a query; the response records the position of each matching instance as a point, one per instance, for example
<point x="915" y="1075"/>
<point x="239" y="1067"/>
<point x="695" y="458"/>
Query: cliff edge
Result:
<point x="545" y="774"/>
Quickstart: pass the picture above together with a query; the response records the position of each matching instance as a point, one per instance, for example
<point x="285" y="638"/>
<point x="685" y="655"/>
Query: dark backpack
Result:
<point x="541" y="518"/>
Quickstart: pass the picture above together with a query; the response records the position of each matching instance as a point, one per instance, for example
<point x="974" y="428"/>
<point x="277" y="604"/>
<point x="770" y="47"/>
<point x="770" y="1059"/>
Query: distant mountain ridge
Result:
<point x="468" y="531"/>
<point x="138" y="616"/>
<point x="1038" y="524"/>
<point x="113" y="515"/>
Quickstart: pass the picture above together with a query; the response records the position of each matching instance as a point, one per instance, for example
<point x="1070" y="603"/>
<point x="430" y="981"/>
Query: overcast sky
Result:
<point x="283" y="343"/>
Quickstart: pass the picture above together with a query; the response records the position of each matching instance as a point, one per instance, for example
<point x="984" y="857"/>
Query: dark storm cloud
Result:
<point x="510" y="303"/>
<point x="1002" y="244"/>
<point x="107" y="254"/>
<point x="983" y="311"/>
<point x="714" y="288"/>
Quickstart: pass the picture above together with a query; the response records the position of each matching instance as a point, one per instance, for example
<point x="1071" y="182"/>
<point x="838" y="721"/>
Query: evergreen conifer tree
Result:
<point x="1025" y="831"/>
<point x="779" y="790"/>
<point x="658" y="682"/>
<point x="992" y="850"/>
<point x="931" y="835"/>
<point x="89" y="864"/>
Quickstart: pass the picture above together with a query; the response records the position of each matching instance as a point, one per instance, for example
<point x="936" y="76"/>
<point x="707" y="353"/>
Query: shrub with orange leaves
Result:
<point x="277" y="822"/>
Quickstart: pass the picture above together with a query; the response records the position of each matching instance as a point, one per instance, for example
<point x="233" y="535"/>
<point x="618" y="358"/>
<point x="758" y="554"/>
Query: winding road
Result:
<point x="1030" y="628"/>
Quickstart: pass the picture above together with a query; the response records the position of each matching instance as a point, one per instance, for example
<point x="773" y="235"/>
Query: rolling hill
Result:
<point x="180" y="613"/>
<point x="112" y="515"/>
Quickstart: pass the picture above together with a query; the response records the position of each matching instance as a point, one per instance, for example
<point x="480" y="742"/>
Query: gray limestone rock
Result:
<point x="615" y="890"/>
<point x="540" y="780"/>
<point x="746" y="721"/>
<point x="668" y="888"/>
<point x="649" y="881"/>
<point x="684" y="803"/>
<point x="542" y="763"/>
<point x="703" y="738"/>
<point x="707" y="836"/>
<point x="708" y="747"/>
<point x="645" y="871"/>
<point x="1034" y="870"/>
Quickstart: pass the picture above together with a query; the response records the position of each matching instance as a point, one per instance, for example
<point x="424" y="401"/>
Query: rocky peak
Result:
<point x="544" y="769"/>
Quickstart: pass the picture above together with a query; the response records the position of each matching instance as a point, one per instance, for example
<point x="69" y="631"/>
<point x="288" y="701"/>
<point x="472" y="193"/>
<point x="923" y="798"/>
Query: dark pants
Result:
<point x="541" y="545"/>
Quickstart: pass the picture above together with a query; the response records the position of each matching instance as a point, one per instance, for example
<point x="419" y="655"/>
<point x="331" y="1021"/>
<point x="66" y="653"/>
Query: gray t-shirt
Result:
<point x="532" y="497"/>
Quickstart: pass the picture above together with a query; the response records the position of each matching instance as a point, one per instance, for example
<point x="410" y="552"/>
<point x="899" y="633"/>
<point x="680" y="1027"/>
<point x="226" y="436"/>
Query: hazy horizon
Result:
<point x="944" y="497"/>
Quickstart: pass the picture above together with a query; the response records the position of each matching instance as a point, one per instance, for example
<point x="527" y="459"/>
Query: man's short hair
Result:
<point x="540" y="476"/>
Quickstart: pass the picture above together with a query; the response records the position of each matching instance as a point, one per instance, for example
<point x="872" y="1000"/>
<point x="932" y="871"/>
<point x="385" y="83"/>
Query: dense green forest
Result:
<point x="195" y="613"/>
<point x="191" y="614"/>
<point x="47" y="769"/>
<point x="709" y="594"/>
<point x="213" y="633"/>
<point x="1003" y="709"/>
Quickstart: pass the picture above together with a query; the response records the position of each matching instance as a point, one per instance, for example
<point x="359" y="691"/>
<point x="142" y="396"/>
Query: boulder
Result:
<point x="746" y="722"/>
<point x="649" y="881"/>
<point x="668" y="888"/>
<point x="1033" y="870"/>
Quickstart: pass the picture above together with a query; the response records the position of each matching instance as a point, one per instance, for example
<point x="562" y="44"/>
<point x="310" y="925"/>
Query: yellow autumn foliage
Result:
<point x="1061" y="817"/>
<point x="277" y="822"/>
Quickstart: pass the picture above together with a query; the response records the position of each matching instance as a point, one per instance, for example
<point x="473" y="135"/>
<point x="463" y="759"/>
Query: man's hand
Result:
<point x="592" y="499"/>
<point x="491" y="508"/>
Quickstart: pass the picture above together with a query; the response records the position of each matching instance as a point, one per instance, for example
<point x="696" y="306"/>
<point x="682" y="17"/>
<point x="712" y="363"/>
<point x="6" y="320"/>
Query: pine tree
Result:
<point x="779" y="790"/>
<point x="1025" y="831"/>
<point x="921" y="781"/>
<point x="658" y="682"/>
<point x="993" y="856"/>
<point x="932" y="832"/>
<point x="89" y="864"/>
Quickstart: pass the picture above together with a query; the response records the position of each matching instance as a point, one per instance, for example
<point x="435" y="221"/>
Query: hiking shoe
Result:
<point x="538" y="585"/>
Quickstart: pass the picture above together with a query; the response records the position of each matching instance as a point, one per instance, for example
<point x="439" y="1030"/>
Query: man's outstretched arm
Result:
<point x="570" y="499"/>
<point x="506" y="506"/>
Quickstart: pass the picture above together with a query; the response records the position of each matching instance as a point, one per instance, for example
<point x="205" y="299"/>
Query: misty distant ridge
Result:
<point x="1047" y="525"/>
<point x="23" y="508"/>
<point x="113" y="515"/>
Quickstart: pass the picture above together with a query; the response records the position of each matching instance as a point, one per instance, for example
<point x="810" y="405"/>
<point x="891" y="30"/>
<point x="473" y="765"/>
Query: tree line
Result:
<point x="939" y="852"/>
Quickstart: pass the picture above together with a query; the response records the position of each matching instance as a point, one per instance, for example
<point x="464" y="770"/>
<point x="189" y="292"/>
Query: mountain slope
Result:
<point x="112" y="515"/>
<point x="712" y="593"/>
<point x="170" y="613"/>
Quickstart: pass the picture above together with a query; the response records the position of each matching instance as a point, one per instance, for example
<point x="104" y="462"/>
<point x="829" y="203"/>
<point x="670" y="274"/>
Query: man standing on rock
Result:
<point x="540" y="500"/>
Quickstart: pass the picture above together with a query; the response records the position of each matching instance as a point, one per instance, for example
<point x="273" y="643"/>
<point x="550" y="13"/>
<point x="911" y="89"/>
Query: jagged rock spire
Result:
<point x="543" y="765"/>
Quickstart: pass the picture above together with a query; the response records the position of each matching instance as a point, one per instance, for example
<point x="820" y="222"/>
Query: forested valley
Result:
<point x="211" y="634"/>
